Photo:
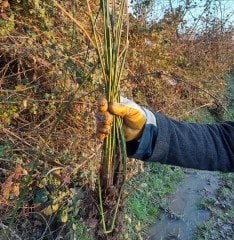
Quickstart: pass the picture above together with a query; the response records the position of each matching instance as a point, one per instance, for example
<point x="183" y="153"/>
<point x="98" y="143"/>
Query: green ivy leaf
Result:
<point x="41" y="196"/>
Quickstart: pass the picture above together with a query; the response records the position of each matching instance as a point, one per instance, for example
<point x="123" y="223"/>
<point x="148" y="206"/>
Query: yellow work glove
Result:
<point x="133" y="116"/>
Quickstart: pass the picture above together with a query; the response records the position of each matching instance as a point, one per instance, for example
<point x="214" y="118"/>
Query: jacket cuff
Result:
<point x="143" y="147"/>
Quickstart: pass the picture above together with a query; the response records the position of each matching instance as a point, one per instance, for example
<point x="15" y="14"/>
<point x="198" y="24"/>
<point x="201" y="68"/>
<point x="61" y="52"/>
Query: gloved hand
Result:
<point x="134" y="118"/>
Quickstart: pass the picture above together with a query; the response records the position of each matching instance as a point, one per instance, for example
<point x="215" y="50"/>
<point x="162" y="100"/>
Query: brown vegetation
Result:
<point x="49" y="83"/>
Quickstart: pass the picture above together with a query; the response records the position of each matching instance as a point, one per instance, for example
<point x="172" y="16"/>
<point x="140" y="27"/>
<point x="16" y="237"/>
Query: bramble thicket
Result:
<point x="50" y="80"/>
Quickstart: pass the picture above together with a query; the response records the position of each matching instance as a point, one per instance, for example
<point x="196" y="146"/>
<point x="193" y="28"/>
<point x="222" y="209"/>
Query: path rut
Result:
<point x="183" y="214"/>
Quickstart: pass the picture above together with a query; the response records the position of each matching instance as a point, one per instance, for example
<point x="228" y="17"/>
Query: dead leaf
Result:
<point x="6" y="189"/>
<point x="5" y="4"/>
<point x="64" y="217"/>
<point x="20" y="87"/>
<point x="55" y="207"/>
<point x="4" y="16"/>
<point x="16" y="189"/>
<point x="67" y="179"/>
<point x="48" y="211"/>
<point x="19" y="172"/>
<point x="92" y="223"/>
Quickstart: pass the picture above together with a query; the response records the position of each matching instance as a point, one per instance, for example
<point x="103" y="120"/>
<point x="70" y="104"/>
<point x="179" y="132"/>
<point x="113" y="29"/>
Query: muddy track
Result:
<point x="183" y="215"/>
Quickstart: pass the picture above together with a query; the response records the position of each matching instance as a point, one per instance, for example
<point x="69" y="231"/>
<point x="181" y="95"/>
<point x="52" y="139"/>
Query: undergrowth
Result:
<point x="147" y="193"/>
<point x="49" y="83"/>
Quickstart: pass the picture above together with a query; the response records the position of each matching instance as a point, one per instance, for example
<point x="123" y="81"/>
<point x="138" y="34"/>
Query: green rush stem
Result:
<point x="118" y="56"/>
<point x="103" y="7"/>
<point x="97" y="41"/>
<point x="112" y="62"/>
<point x="102" y="209"/>
<point x="120" y="18"/>
<point x="114" y="143"/>
<point x="109" y="40"/>
<point x="122" y="65"/>
<point x="101" y="205"/>
<point x="108" y="156"/>
<point x="122" y="142"/>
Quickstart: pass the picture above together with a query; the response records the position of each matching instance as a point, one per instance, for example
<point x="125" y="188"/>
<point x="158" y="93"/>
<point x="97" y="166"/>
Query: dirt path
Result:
<point x="183" y="215"/>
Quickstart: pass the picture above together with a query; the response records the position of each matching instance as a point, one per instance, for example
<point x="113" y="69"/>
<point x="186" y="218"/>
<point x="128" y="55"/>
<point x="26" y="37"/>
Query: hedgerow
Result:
<point x="49" y="83"/>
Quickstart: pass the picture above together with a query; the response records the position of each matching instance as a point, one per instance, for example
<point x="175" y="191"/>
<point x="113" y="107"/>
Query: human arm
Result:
<point x="191" y="145"/>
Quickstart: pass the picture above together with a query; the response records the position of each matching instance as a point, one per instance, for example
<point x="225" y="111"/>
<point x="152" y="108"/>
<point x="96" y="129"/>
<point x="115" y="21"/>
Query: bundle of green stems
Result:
<point x="112" y="50"/>
<point x="110" y="40"/>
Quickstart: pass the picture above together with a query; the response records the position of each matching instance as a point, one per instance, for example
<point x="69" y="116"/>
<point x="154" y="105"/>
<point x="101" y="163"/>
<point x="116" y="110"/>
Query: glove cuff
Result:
<point x="150" y="117"/>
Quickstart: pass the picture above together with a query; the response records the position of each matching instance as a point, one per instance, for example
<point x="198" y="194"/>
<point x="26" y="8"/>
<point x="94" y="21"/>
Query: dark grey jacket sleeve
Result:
<point x="190" y="145"/>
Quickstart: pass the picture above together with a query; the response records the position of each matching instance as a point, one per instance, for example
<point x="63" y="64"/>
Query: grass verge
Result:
<point x="147" y="194"/>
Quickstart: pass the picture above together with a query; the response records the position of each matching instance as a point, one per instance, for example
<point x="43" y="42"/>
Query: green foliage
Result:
<point x="5" y="150"/>
<point x="7" y="26"/>
<point x="81" y="231"/>
<point x="8" y="113"/>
